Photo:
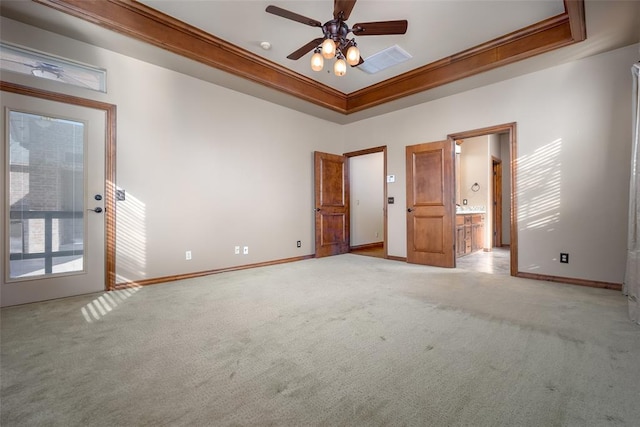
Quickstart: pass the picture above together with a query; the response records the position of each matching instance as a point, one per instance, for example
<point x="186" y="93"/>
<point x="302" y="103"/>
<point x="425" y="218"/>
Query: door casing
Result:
<point x="382" y="149"/>
<point x="496" y="238"/>
<point x="110" y="164"/>
<point x="343" y="208"/>
<point x="511" y="130"/>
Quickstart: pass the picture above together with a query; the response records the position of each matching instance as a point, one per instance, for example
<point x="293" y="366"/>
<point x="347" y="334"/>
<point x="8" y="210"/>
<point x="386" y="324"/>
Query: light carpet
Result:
<point x="339" y="341"/>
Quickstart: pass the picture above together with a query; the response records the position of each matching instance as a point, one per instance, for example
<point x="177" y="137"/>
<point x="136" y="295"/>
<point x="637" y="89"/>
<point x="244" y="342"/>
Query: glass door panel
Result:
<point x="46" y="192"/>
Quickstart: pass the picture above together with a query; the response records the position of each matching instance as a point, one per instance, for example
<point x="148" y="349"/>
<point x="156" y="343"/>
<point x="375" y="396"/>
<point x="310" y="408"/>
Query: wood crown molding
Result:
<point x="136" y="20"/>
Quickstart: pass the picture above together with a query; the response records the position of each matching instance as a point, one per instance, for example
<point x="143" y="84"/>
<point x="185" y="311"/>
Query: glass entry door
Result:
<point x="53" y="218"/>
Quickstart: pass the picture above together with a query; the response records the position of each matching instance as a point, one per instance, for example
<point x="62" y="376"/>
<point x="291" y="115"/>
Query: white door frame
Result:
<point x="109" y="167"/>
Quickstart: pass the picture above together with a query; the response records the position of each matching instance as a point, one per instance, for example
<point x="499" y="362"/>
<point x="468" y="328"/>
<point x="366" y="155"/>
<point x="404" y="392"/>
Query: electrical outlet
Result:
<point x="187" y="255"/>
<point x="564" y="258"/>
<point x="237" y="250"/>
<point x="245" y="250"/>
<point x="299" y="244"/>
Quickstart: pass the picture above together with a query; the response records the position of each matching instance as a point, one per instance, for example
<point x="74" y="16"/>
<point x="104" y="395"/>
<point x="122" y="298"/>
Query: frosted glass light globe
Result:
<point x="353" y="56"/>
<point x="340" y="67"/>
<point x="328" y="48"/>
<point x="317" y="62"/>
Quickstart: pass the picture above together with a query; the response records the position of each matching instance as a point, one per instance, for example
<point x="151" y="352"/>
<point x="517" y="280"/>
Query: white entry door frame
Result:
<point x="70" y="243"/>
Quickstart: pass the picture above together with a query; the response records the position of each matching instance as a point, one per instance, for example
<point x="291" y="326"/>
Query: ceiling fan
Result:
<point x="334" y="42"/>
<point x="45" y="70"/>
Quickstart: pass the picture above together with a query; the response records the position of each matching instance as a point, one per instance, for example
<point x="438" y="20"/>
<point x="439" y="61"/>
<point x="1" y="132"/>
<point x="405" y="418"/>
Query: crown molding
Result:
<point x="141" y="22"/>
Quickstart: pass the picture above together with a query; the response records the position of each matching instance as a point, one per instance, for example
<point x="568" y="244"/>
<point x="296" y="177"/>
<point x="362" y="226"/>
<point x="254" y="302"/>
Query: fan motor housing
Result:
<point x="336" y="29"/>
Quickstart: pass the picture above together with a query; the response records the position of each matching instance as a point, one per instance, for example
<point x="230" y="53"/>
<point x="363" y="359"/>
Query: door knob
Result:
<point x="409" y="210"/>
<point x="317" y="209"/>
<point x="96" y="210"/>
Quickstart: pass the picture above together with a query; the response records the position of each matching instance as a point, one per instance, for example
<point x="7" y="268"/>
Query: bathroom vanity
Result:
<point x="469" y="232"/>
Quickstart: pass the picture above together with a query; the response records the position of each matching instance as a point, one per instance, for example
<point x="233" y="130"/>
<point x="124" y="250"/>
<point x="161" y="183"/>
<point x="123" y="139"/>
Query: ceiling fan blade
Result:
<point x="305" y="49"/>
<point x="380" y="28"/>
<point x="293" y="16"/>
<point x="344" y="6"/>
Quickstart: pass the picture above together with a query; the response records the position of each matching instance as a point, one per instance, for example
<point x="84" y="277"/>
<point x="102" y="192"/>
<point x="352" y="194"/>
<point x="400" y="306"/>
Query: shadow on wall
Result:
<point x="539" y="180"/>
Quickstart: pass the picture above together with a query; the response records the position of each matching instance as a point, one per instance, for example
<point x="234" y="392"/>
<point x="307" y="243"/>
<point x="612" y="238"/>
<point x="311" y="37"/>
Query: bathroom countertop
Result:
<point x="469" y="212"/>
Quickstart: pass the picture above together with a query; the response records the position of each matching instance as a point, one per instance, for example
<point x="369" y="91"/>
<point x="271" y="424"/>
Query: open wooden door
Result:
<point x="332" y="204"/>
<point x="431" y="204"/>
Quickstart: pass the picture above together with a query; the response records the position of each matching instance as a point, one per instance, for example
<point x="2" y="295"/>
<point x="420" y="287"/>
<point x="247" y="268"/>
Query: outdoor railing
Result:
<point x="48" y="254"/>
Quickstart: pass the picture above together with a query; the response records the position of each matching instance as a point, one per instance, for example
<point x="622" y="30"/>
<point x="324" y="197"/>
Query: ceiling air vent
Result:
<point x="384" y="59"/>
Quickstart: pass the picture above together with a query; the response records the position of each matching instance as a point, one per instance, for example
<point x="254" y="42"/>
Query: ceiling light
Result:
<point x="317" y="61"/>
<point x="335" y="42"/>
<point x="265" y="45"/>
<point x="328" y="48"/>
<point x="340" y="67"/>
<point x="353" y="55"/>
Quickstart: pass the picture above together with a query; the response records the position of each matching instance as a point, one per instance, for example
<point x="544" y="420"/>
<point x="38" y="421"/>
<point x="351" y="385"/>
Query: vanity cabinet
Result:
<point x="469" y="233"/>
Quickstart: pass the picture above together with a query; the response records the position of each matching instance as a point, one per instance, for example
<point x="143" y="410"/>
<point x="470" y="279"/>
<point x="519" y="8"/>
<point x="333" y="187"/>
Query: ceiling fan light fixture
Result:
<point x="340" y="67"/>
<point x="317" y="61"/>
<point x="353" y="55"/>
<point x="328" y="48"/>
<point x="334" y="43"/>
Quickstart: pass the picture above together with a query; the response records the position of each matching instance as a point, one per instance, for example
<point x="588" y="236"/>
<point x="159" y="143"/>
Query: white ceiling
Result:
<point x="436" y="29"/>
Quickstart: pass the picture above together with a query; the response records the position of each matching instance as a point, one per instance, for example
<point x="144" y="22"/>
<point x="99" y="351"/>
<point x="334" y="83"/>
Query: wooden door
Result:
<point x="332" y="204"/>
<point x="431" y="204"/>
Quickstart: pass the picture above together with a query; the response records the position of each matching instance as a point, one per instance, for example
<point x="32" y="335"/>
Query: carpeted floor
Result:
<point x="344" y="341"/>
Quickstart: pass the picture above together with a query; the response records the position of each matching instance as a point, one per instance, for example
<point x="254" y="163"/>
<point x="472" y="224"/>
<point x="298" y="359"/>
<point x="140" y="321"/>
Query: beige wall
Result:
<point x="206" y="168"/>
<point x="574" y="144"/>
<point x="474" y="169"/>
